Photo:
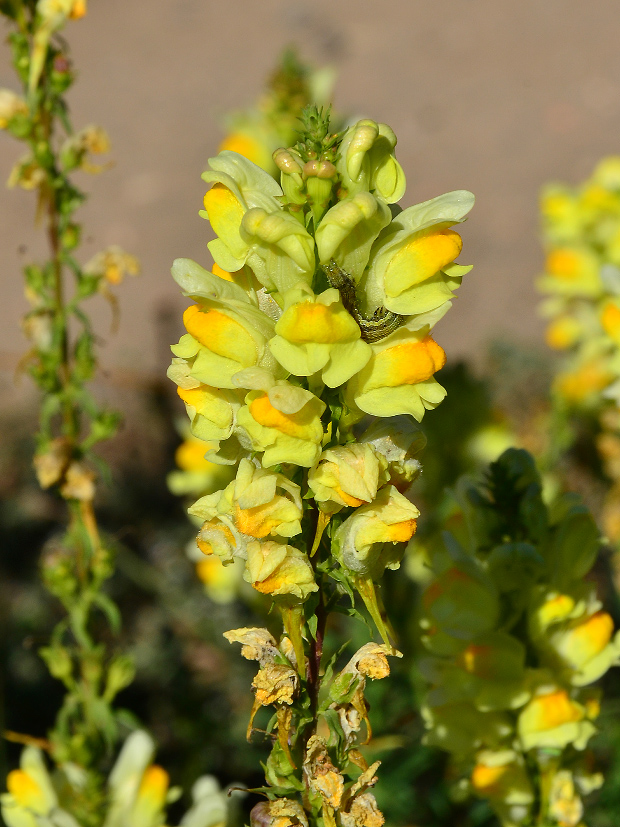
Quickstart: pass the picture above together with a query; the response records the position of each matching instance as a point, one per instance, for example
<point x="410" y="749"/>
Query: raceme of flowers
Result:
<point x="307" y="357"/>
<point x="516" y="638"/>
<point x="581" y="233"/>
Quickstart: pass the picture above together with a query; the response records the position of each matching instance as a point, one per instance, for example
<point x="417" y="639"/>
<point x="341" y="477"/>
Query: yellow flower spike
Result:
<point x="316" y="333"/>
<point x="610" y="321"/>
<point x="398" y="379"/>
<point x="285" y="434"/>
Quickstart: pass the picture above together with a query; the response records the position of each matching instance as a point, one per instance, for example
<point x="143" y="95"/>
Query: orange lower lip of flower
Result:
<point x="563" y="264"/>
<point x="265" y="414"/>
<point x="206" y="546"/>
<point x="420" y="259"/>
<point x="154" y="783"/>
<point x="314" y="322"/>
<point x="592" y="636"/>
<point x="218" y="332"/>
<point x="255" y="522"/>
<point x="401" y="532"/>
<point x="408" y="363"/>
<point x="553" y="710"/>
<point x="225" y="211"/>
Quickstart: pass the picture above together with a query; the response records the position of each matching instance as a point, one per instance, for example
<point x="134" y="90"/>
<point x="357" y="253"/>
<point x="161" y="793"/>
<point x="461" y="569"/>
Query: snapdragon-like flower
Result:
<point x="284" y="423"/>
<point x="255" y="505"/>
<point x="316" y="334"/>
<point x="32" y="800"/>
<point x="412" y="269"/>
<point x="370" y="540"/>
<point x="347" y="475"/>
<point x="399" y="379"/>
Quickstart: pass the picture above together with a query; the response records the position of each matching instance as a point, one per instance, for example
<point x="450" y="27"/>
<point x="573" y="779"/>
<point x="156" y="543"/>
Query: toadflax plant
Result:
<point x="305" y="364"/>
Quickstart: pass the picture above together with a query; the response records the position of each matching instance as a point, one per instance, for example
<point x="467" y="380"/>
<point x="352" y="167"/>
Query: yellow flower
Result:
<point x="565" y="806"/>
<point x="316" y="333"/>
<point x="553" y="719"/>
<point x="250" y="147"/>
<point x="373" y="537"/>
<point x="148" y="808"/>
<point x="286" y="427"/>
<point x="398" y="379"/>
<point x="585" y="646"/>
<point x="584" y="384"/>
<point x="571" y="271"/>
<point x="113" y="264"/>
<point x="211" y="412"/>
<point x="10" y="106"/>
<point x="347" y="475"/>
<point x="30" y="793"/>
<point x="610" y="320"/>
<point x="563" y="332"/>
<point x="411" y="269"/>
<point x="222" y="339"/>
<point x="502" y="776"/>
<point x="279" y="570"/>
<point x="256" y="504"/>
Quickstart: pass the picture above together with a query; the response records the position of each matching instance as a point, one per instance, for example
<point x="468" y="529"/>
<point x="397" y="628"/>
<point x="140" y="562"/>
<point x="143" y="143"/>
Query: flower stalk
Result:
<point x="77" y="563"/>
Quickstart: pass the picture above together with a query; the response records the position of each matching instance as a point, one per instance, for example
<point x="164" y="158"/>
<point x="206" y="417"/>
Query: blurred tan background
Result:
<point x="496" y="97"/>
